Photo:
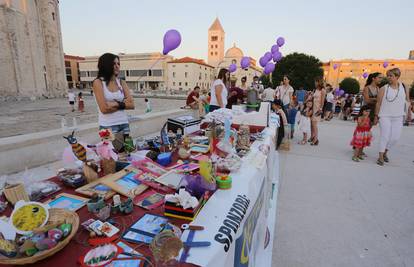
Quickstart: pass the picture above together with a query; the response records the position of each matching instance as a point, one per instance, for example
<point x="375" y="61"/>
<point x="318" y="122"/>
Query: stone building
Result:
<point x="141" y="71"/>
<point x="356" y="68"/>
<point x="72" y="71"/>
<point x="187" y="73"/>
<point x="31" y="50"/>
<point x="234" y="56"/>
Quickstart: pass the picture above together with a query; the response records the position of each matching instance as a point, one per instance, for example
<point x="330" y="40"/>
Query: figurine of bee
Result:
<point x="78" y="149"/>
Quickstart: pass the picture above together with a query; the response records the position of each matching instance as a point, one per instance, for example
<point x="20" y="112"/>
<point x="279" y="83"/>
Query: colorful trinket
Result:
<point x="66" y="229"/>
<point x="224" y="181"/>
<point x="46" y="244"/>
<point x="55" y="234"/>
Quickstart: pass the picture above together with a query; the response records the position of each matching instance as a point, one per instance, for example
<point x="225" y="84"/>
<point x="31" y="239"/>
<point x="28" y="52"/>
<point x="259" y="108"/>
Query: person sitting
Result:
<point x="192" y="98"/>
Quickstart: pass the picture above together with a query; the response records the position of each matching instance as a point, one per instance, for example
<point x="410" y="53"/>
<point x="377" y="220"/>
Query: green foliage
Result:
<point x="349" y="85"/>
<point x="302" y="70"/>
<point x="266" y="81"/>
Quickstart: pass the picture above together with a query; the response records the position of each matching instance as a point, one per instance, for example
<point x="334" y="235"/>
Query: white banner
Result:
<point x="235" y="220"/>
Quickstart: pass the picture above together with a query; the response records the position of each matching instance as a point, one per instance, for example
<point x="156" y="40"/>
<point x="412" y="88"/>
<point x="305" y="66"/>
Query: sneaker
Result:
<point x="356" y="159"/>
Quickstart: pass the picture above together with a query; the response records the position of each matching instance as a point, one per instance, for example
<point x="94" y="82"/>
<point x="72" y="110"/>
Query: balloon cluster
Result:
<point x="339" y="92"/>
<point x="274" y="55"/>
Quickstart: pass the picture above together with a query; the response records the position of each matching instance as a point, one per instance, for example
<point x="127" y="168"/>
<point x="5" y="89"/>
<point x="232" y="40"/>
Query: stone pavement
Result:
<point x="27" y="116"/>
<point x="336" y="212"/>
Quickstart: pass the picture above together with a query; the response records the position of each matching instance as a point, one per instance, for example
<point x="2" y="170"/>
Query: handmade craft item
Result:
<point x="96" y="187"/>
<point x="243" y="138"/>
<point x="67" y="201"/>
<point x="124" y="182"/>
<point x="165" y="247"/>
<point x="95" y="203"/>
<point x="100" y="256"/>
<point x="106" y="151"/>
<point x="78" y="149"/>
<point x="206" y="169"/>
<point x="224" y="181"/>
<point x="15" y="192"/>
<point x="149" y="166"/>
<point x="171" y="179"/>
<point x="149" y="200"/>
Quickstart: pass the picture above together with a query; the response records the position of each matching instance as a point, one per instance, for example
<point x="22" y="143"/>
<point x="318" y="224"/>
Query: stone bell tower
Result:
<point x="215" y="43"/>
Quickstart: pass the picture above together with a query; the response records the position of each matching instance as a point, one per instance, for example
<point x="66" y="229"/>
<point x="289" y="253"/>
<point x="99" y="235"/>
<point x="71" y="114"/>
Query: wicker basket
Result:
<point x="55" y="215"/>
<point x="15" y="192"/>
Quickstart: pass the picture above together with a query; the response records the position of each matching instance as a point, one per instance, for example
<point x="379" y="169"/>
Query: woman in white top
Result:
<point x="219" y="91"/>
<point x="284" y="92"/>
<point x="389" y="111"/>
<point x="112" y="95"/>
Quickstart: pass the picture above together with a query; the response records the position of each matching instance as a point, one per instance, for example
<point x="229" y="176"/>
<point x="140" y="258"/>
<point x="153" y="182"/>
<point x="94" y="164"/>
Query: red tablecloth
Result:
<point x="78" y="246"/>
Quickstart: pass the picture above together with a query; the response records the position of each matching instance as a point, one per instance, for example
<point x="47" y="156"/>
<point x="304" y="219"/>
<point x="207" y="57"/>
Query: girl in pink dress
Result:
<point x="362" y="134"/>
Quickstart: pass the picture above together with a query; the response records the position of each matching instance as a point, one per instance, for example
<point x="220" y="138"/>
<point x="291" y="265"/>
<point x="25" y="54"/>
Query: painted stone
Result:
<point x="37" y="236"/>
<point x="66" y="229"/>
<point x="28" y="248"/>
<point x="55" y="234"/>
<point x="46" y="244"/>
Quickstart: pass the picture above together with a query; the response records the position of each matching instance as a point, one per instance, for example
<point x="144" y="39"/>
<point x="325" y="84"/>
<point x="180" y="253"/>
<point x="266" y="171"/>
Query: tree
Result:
<point x="350" y="86"/>
<point x="302" y="70"/>
<point x="266" y="81"/>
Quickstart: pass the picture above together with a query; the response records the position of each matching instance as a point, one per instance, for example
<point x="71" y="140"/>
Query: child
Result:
<point x="277" y="107"/>
<point x="356" y="107"/>
<point x="291" y="117"/>
<point x="71" y="96"/>
<point x="148" y="105"/>
<point x="304" y="122"/>
<point x="362" y="134"/>
<point x="81" y="104"/>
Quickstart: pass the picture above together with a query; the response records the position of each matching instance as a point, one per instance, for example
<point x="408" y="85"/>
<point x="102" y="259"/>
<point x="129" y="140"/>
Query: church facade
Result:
<point x="31" y="50"/>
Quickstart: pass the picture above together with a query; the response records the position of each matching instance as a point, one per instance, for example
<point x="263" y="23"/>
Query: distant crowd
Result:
<point x="387" y="104"/>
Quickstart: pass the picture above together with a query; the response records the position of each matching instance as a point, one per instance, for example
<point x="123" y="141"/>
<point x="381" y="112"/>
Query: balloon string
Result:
<point x="139" y="78"/>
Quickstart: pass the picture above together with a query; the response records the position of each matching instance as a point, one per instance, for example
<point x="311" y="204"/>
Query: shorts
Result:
<point x="72" y="103"/>
<point x="120" y="128"/>
<point x="328" y="106"/>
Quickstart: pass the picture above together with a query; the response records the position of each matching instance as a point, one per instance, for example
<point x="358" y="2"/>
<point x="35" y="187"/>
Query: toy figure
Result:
<point x="78" y="149"/>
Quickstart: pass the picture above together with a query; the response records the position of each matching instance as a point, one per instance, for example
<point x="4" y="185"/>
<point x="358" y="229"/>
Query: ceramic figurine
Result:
<point x="78" y="149"/>
<point x="45" y="244"/>
<point x="55" y="234"/>
<point x="66" y="229"/>
<point x="7" y="248"/>
<point x="95" y="203"/>
<point x="127" y="206"/>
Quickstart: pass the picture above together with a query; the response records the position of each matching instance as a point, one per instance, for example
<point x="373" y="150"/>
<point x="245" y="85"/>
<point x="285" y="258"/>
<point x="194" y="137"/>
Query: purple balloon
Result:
<point x="365" y="75"/>
<point x="341" y="92"/>
<point x="263" y="61"/>
<point x="172" y="39"/>
<point x="268" y="56"/>
<point x="335" y="66"/>
<point x="280" y="41"/>
<point x="277" y="56"/>
<point x="274" y="48"/>
<point x="232" y="68"/>
<point x="385" y="64"/>
<point x="269" y="68"/>
<point x="245" y="62"/>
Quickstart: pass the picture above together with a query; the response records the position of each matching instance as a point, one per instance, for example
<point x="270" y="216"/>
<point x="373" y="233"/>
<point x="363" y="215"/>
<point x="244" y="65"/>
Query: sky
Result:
<point x="357" y="29"/>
